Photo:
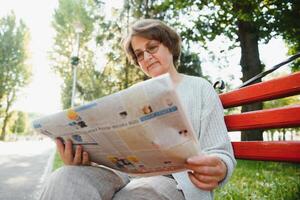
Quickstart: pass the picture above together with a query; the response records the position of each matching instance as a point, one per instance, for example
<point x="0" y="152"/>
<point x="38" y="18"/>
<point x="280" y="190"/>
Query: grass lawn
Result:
<point x="256" y="180"/>
<point x="262" y="180"/>
<point x="57" y="162"/>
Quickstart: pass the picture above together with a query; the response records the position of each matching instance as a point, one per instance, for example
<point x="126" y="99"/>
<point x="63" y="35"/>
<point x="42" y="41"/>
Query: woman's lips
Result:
<point x="153" y="65"/>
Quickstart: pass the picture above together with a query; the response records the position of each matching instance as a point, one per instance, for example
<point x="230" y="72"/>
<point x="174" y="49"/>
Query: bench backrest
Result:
<point x="284" y="117"/>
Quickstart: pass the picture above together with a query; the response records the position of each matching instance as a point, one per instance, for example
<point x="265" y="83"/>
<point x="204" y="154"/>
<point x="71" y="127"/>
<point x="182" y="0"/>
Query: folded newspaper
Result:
<point x="142" y="130"/>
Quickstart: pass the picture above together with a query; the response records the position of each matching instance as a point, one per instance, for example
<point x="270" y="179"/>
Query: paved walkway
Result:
<point x="24" y="166"/>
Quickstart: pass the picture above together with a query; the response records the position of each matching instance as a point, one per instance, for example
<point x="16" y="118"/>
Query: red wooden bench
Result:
<point x="284" y="117"/>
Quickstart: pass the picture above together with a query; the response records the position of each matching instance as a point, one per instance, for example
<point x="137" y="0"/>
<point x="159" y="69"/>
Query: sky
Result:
<point x="42" y="95"/>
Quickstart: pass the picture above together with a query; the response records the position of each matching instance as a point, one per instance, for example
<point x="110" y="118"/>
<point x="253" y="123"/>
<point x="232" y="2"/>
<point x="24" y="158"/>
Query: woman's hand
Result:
<point x="206" y="171"/>
<point x="67" y="155"/>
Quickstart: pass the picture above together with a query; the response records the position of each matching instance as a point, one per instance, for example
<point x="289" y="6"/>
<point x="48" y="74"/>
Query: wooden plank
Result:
<point x="268" y="90"/>
<point x="265" y="119"/>
<point x="270" y="151"/>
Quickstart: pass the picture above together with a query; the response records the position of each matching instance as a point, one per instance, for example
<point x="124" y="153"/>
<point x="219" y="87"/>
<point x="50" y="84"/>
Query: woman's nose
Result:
<point x="147" y="55"/>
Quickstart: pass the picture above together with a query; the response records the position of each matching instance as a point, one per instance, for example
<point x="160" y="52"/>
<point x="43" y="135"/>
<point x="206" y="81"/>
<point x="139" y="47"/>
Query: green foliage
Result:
<point x="14" y="72"/>
<point x="57" y="163"/>
<point x="67" y="15"/>
<point x="289" y="27"/>
<point x="212" y="18"/>
<point x="98" y="35"/>
<point x="190" y="64"/>
<point x="118" y="73"/>
<point x="262" y="180"/>
<point x="20" y="125"/>
<point x="282" y="102"/>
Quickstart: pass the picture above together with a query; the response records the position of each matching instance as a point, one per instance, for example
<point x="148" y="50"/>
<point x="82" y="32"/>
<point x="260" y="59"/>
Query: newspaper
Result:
<point x="142" y="130"/>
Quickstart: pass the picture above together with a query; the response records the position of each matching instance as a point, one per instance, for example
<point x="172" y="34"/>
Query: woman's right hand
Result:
<point x="67" y="155"/>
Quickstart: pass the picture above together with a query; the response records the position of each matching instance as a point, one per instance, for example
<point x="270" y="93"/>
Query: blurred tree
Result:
<point x="119" y="73"/>
<point x="190" y="64"/>
<point x="20" y="124"/>
<point x="67" y="15"/>
<point x="289" y="27"/>
<point x="14" y="71"/>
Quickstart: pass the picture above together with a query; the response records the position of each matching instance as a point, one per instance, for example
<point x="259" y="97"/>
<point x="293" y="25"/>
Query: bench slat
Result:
<point x="267" y="90"/>
<point x="264" y="119"/>
<point x="272" y="151"/>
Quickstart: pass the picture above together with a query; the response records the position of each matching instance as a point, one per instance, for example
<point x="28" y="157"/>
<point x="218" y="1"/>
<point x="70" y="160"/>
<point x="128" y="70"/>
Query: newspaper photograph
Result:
<point x="142" y="130"/>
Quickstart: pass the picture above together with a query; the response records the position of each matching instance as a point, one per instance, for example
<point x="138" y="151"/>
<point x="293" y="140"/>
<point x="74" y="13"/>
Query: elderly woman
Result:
<point x="155" y="48"/>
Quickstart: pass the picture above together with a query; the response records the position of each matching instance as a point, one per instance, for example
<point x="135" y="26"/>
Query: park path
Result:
<point x="24" y="165"/>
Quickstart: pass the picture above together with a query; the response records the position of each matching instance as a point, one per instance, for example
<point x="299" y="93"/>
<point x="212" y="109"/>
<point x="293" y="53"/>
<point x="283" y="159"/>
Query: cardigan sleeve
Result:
<point x="214" y="138"/>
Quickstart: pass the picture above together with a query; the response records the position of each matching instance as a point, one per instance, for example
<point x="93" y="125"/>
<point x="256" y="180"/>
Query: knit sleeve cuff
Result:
<point x="230" y="164"/>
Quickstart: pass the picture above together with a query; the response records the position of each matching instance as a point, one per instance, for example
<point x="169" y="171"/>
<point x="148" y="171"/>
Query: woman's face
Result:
<point x="153" y="57"/>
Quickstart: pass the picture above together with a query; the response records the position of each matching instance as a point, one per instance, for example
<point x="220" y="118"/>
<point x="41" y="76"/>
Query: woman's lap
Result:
<point x="156" y="187"/>
<point x="98" y="183"/>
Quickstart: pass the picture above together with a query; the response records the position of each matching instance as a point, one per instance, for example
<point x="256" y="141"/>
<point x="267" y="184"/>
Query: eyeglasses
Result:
<point x="151" y="48"/>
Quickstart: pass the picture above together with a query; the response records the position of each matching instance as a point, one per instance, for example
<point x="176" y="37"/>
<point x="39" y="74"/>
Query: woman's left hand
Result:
<point x="206" y="171"/>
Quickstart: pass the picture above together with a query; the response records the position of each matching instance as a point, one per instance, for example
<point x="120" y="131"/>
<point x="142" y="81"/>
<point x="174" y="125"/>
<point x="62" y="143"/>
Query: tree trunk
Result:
<point x="7" y="115"/>
<point x="3" y="129"/>
<point x="147" y="9"/>
<point x="251" y="66"/>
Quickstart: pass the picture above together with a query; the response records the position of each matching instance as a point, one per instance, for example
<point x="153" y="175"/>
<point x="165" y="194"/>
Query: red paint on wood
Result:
<point x="270" y="151"/>
<point x="265" y="119"/>
<point x="268" y="90"/>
